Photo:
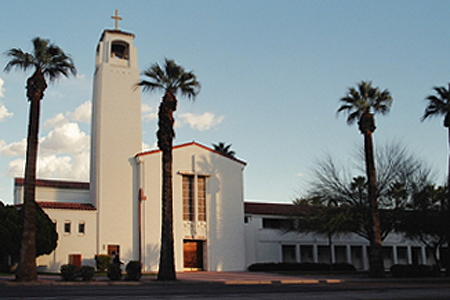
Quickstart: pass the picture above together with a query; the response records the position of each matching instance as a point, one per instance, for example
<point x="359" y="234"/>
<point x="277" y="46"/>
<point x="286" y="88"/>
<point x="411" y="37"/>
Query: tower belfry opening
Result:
<point x="120" y="50"/>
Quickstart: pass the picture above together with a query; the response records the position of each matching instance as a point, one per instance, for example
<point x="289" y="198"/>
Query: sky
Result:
<point x="272" y="73"/>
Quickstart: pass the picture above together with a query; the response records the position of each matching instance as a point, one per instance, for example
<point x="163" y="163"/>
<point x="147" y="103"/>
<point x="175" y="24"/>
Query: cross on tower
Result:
<point x="116" y="20"/>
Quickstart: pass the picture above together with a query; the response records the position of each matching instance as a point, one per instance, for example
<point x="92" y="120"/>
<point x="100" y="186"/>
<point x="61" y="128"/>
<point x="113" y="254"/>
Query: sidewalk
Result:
<point x="235" y="278"/>
<point x="229" y="278"/>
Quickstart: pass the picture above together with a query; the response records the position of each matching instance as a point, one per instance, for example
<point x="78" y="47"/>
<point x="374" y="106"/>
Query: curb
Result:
<point x="289" y="281"/>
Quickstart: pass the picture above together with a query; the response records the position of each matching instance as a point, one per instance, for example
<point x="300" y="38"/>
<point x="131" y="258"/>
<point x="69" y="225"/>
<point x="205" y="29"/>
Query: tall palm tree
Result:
<point x="224" y="149"/>
<point x="361" y="104"/>
<point x="49" y="63"/>
<point x="171" y="78"/>
<point x="439" y="105"/>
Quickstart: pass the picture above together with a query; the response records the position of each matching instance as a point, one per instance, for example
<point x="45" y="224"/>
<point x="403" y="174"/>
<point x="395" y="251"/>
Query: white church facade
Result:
<point x="120" y="208"/>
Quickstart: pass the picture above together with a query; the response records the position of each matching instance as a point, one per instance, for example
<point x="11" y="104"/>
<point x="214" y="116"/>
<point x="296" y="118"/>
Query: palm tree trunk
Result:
<point x="376" y="254"/>
<point x="26" y="271"/>
<point x="165" y="137"/>
<point x="447" y="209"/>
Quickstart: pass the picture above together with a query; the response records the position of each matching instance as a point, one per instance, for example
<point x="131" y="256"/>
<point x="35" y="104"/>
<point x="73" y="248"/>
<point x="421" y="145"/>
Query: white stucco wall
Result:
<point x="224" y="200"/>
<point x="116" y="139"/>
<point x="53" y="194"/>
<point x="73" y="242"/>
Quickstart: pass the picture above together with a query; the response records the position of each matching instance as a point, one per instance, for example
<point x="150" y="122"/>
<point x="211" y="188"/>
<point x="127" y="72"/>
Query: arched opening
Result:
<point x="120" y="50"/>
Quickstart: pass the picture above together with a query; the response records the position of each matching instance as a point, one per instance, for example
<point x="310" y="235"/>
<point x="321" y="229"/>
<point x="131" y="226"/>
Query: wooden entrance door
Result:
<point x="75" y="259"/>
<point x="193" y="255"/>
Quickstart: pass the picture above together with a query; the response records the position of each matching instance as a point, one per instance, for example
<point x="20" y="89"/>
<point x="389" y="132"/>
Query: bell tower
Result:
<point x="116" y="138"/>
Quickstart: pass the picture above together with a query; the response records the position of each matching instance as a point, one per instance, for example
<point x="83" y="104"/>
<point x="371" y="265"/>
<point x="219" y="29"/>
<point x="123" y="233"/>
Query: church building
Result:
<point x="119" y="210"/>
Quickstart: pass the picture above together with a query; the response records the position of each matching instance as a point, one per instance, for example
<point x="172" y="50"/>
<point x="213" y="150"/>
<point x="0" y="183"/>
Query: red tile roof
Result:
<point x="62" y="184"/>
<point x="190" y="144"/>
<point x="66" y="205"/>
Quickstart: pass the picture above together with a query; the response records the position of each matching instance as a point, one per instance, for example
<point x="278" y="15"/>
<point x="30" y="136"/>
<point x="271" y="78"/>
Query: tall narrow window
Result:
<point x="67" y="227"/>
<point x="81" y="227"/>
<point x="188" y="198"/>
<point x="201" y="198"/>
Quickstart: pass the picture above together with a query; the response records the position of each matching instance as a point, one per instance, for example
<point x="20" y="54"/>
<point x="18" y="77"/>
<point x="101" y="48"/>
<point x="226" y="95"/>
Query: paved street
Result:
<point x="228" y="285"/>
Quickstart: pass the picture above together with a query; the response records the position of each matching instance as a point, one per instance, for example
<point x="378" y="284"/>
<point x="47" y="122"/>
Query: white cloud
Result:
<point x="57" y="121"/>
<point x="65" y="138"/>
<point x="63" y="153"/>
<point x="13" y="149"/>
<point x="146" y="146"/>
<point x="4" y="113"/>
<point x="82" y="113"/>
<point x="201" y="122"/>
<point x="2" y="89"/>
<point x="16" y="168"/>
<point x="64" y="166"/>
<point x="54" y="166"/>
<point x="50" y="165"/>
<point x="148" y="113"/>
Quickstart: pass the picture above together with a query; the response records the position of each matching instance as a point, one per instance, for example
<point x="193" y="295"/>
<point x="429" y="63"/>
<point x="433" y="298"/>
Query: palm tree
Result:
<point x="172" y="78"/>
<point x="49" y="63"/>
<point x="439" y="105"/>
<point x="361" y="104"/>
<point x="224" y="149"/>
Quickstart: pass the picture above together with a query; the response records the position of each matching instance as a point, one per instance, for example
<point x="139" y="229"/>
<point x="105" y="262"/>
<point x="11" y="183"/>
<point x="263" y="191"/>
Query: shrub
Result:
<point x="133" y="269"/>
<point x="114" y="272"/>
<point x="344" y="267"/>
<point x="102" y="262"/>
<point x="69" y="272"/>
<point x="411" y="271"/>
<point x="87" y="273"/>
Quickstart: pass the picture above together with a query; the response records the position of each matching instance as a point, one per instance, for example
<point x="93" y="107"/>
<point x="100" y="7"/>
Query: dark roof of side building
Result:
<point x="259" y="208"/>
<point x="62" y="184"/>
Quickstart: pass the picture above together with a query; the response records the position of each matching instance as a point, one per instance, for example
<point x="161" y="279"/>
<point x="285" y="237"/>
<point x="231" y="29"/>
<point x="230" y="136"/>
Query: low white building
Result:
<point x="267" y="241"/>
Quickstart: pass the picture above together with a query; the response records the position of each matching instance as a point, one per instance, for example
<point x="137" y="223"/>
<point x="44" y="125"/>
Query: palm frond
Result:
<point x="364" y="98"/>
<point x="439" y="104"/>
<point x="47" y="57"/>
<point x="170" y="78"/>
<point x="19" y="60"/>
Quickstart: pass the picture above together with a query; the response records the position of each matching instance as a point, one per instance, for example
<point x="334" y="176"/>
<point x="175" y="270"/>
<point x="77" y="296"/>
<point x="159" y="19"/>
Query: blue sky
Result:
<point x="272" y="74"/>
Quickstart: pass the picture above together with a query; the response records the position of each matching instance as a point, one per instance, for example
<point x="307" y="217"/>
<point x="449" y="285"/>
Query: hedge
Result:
<point x="114" y="272"/>
<point x="133" y="270"/>
<point x="414" y="271"/>
<point x="102" y="262"/>
<point x="71" y="272"/>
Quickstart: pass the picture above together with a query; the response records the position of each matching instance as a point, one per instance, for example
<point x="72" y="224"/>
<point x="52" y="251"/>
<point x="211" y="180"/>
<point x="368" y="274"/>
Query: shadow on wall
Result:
<point x="150" y="258"/>
<point x="210" y="165"/>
